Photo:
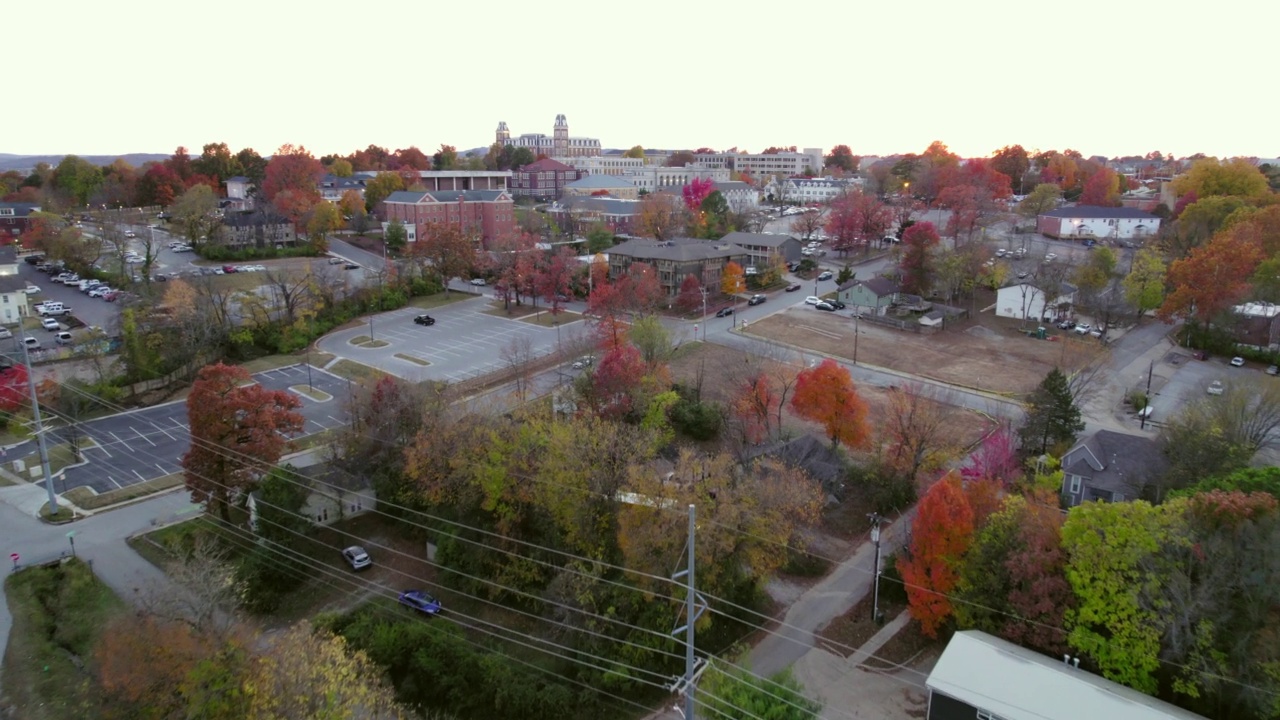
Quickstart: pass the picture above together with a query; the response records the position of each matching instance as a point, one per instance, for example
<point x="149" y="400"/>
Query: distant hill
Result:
<point x="28" y="162"/>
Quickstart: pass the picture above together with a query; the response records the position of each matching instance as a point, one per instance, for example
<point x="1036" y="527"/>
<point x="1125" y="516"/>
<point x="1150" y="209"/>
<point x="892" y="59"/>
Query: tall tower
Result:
<point x="560" y="137"/>
<point x="504" y="135"/>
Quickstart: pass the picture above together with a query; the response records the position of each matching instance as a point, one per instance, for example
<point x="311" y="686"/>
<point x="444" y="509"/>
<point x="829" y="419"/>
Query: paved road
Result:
<point x="140" y="445"/>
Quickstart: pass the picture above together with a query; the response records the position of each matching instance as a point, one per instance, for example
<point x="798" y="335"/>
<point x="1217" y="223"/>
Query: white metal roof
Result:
<point x="1015" y="683"/>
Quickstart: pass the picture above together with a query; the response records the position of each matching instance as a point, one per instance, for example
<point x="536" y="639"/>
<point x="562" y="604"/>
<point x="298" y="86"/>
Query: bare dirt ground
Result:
<point x="986" y="353"/>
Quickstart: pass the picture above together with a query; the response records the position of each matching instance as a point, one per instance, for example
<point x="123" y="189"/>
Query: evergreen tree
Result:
<point x="1052" y="416"/>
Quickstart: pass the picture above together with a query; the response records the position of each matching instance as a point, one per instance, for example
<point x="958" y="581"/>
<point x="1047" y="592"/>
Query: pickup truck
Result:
<point x="52" y="309"/>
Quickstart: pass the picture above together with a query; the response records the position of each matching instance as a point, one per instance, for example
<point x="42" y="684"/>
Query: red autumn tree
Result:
<point x="159" y="186"/>
<point x="918" y="243"/>
<point x="644" y="289"/>
<point x="941" y="534"/>
<point x="615" y="380"/>
<point x="755" y="405"/>
<point x="1102" y="188"/>
<point x="292" y="168"/>
<point x="858" y="219"/>
<point x="1213" y="277"/>
<point x="995" y="459"/>
<point x="553" y="277"/>
<point x="689" y="298"/>
<point x="238" y="431"/>
<point x="825" y="394"/>
<point x="695" y="192"/>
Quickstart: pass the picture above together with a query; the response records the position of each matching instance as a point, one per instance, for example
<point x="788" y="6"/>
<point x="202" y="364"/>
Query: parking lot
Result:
<point x="465" y="341"/>
<point x="140" y="445"/>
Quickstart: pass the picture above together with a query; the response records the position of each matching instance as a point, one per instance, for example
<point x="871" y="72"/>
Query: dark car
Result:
<point x="825" y="306"/>
<point x="351" y="266"/>
<point x="724" y="312"/>
<point x="424" y="320"/>
<point x="838" y="305"/>
<point x="793" y="287"/>
<point x="756" y="299"/>
<point x="825" y="275"/>
<point x="228" y="269"/>
<point x="420" y="600"/>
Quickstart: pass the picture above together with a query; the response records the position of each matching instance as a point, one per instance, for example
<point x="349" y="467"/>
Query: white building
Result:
<point x="803" y="190"/>
<point x="604" y="164"/>
<point x="13" y="288"/>
<point x="1092" y="221"/>
<point x="654" y="178"/>
<point x="760" y="165"/>
<point x="742" y="197"/>
<point x="1025" y="301"/>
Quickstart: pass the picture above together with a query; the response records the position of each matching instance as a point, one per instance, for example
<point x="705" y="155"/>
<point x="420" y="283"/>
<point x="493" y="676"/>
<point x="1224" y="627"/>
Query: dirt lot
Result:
<point x="986" y="352"/>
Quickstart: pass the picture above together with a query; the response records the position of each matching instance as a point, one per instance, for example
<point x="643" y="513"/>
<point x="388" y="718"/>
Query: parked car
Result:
<point x="5" y="333"/>
<point x="102" y="290"/>
<point x="228" y="269"/>
<point x="1083" y="329"/>
<point x="336" y="261"/>
<point x="1273" y="370"/>
<point x="33" y="289"/>
<point x="351" y="266"/>
<point x="424" y="320"/>
<point x="825" y="275"/>
<point x="50" y="324"/>
<point x="63" y="338"/>
<point x="1096" y="332"/>
<point x="583" y="362"/>
<point x="812" y="300"/>
<point x="724" y="312"/>
<point x="420" y="600"/>
<point x="1050" y="257"/>
<point x="478" y="282"/>
<point x="31" y="343"/>
<point x="112" y="296"/>
<point x="357" y="558"/>
<point x="825" y="306"/>
<point x="1066" y="324"/>
<point x="838" y="305"/>
<point x="1237" y="361"/>
<point x="757" y="299"/>
<point x="1215" y="387"/>
<point x="793" y="287"/>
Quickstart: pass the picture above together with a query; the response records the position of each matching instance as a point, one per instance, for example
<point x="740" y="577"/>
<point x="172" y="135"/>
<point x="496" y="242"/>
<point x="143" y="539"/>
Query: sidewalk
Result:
<point x="848" y="689"/>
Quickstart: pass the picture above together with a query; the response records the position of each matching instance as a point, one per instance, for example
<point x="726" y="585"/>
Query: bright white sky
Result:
<point x="1108" y="78"/>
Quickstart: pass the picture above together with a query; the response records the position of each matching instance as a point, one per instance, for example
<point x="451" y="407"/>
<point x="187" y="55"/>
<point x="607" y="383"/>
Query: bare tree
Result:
<point x="202" y="593"/>
<point x="518" y="354"/>
<point x="806" y="225"/>
<point x="918" y="430"/>
<point x="292" y="292"/>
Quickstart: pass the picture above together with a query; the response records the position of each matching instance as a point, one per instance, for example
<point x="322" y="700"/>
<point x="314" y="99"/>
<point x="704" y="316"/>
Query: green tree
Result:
<point x="636" y="152"/>
<point x="842" y="157"/>
<point x="325" y="218"/>
<point x="845" y="275"/>
<point x="382" y="185"/>
<point x="651" y="338"/>
<point x="194" y="212"/>
<point x="521" y="156"/>
<point x="216" y="161"/>
<point x="446" y="158"/>
<point x="1210" y="176"/>
<point x="1053" y="420"/>
<point x="395" y="237"/>
<point x="1114" y="559"/>
<point x="1144" y="285"/>
<point x="78" y="178"/>
<point x="1246" y="480"/>
<point x="341" y="167"/>
<point x="599" y="239"/>
<point x="1044" y="198"/>
<point x="730" y="694"/>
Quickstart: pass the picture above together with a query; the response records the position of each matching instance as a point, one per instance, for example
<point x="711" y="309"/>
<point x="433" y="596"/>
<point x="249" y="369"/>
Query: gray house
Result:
<point x="761" y="247"/>
<point x="871" y="296"/>
<point x="1110" y="466"/>
<point x="677" y="258"/>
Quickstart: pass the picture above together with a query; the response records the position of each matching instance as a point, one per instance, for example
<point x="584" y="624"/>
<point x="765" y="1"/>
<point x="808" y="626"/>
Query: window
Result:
<point x="984" y="715"/>
<point x="1075" y="484"/>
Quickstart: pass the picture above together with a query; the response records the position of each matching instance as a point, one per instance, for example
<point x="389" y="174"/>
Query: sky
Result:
<point x="1104" y="78"/>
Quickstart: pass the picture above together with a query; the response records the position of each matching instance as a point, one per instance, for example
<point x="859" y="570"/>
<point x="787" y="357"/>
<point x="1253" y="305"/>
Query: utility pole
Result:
<point x="1142" y="412"/>
<point x="35" y="416"/>
<point x="875" y="538"/>
<point x="694" y="607"/>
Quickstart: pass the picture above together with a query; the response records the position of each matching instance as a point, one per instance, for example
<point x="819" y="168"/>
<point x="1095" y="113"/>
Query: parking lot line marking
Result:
<point x="166" y="472"/>
<point x="101" y="447"/>
<point x="118" y="485"/>
<point x="175" y="422"/>
<point x="119" y="440"/>
<point x="336" y="420"/>
<point x="135" y="472"/>
<point x="144" y="437"/>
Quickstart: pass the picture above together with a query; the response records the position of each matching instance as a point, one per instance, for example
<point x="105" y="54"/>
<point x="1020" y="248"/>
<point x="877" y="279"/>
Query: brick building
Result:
<point x="259" y="229"/>
<point x="676" y="258"/>
<point x="488" y="213"/>
<point x="15" y="218"/>
<point x="577" y="214"/>
<point x="544" y="179"/>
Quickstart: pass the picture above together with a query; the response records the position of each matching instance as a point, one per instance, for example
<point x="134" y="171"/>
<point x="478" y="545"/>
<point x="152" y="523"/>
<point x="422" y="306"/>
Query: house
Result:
<point x="805" y="190"/>
<point x="239" y="194"/>
<point x="763" y="247"/>
<point x="872" y="296"/>
<point x="333" y="494"/>
<point x="332" y="187"/>
<point x="490" y="214"/>
<point x="256" y="228"/>
<point x="1257" y="325"/>
<point x="1093" y="221"/>
<point x="981" y="676"/>
<point x="15" y="218"/>
<point x="677" y="258"/>
<point x="742" y="197"/>
<point x="13" y="289"/>
<point x="603" y="184"/>
<point x="544" y="179"/>
<point x="577" y="214"/>
<point x="1110" y="466"/>
<point x="1025" y="301"/>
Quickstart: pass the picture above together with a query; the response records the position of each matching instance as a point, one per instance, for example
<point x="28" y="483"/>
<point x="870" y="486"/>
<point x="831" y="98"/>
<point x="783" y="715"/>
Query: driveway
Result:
<point x="465" y="342"/>
<point x="140" y="445"/>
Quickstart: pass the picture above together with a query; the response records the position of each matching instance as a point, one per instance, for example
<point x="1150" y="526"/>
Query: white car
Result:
<point x="135" y="260"/>
<point x="1083" y="329"/>
<point x="1051" y="257"/>
<point x="33" y="289"/>
<point x="99" y="291"/>
<point x="1237" y="361"/>
<point x="812" y="300"/>
<point x="478" y="282"/>
<point x="357" y="558"/>
<point x="50" y="324"/>
<point x="1215" y="387"/>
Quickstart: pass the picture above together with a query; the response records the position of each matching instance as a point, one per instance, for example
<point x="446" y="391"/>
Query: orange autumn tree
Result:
<point x="732" y="279"/>
<point x="940" y="536"/>
<point x="825" y="394"/>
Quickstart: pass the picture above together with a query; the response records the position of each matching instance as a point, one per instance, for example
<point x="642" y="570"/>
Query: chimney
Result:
<point x="1076" y="663"/>
<point x="1066" y="659"/>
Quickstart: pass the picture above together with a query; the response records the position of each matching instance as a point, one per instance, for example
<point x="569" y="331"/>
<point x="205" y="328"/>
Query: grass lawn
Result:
<point x="427" y="302"/>
<point x="313" y="440"/>
<point x="57" y="614"/>
<point x="311" y="392"/>
<point x="273" y="362"/>
<point x="365" y="341"/>
<point x="86" y="498"/>
<point x="358" y="372"/>
<point x="546" y="319"/>
<point x="412" y="359"/>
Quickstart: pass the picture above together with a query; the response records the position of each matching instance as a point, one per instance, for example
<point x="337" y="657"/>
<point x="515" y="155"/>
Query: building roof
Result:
<point x="237" y="179"/>
<point x="256" y="217"/>
<point x="600" y="182"/>
<point x="8" y="255"/>
<point x="882" y="287"/>
<point x="545" y="165"/>
<point x="1064" y="289"/>
<point x="20" y="209"/>
<point x="676" y="249"/>
<point x="764" y="239"/>
<point x="1090" y="212"/>
<point x="606" y="205"/>
<point x="333" y="181"/>
<point x="1116" y="462"/>
<point x="417" y="197"/>
<point x="333" y="476"/>
<point x="12" y="284"/>
<point x="733" y="186"/>
<point x="1019" y="684"/>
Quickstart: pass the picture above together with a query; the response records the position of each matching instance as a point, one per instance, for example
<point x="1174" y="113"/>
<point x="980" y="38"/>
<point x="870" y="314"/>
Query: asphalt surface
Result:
<point x="140" y="445"/>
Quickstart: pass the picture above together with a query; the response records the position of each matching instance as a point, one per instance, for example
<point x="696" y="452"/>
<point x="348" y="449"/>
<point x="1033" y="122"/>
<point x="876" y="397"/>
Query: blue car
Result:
<point x="420" y="600"/>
